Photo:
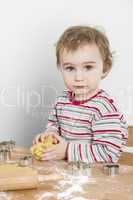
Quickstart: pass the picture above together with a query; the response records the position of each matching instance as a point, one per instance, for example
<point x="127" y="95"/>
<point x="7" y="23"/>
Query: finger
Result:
<point x="55" y="141"/>
<point x="58" y="138"/>
<point x="50" y="150"/>
<point x="53" y="157"/>
<point x="53" y="134"/>
<point x="34" y="142"/>
<point x="37" y="139"/>
<point x="49" y="158"/>
<point x="42" y="137"/>
<point x="55" y="137"/>
<point x="46" y="134"/>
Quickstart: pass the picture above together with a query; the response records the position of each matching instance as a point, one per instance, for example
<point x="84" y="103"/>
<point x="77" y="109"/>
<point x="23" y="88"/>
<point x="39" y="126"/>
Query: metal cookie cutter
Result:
<point x="25" y="161"/>
<point x="111" y="169"/>
<point x="5" y="155"/>
<point x="11" y="144"/>
<point x="7" y="145"/>
<point x="4" y="145"/>
<point x="79" y="168"/>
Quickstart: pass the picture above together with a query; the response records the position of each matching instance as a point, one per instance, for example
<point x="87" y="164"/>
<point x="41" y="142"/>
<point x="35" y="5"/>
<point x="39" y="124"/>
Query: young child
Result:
<point x="84" y="119"/>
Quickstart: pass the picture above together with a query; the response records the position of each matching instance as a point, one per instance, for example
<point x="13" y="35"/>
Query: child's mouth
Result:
<point x="79" y="87"/>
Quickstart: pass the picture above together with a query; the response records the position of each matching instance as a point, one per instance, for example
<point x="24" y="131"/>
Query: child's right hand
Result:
<point x="41" y="137"/>
<point x="42" y="143"/>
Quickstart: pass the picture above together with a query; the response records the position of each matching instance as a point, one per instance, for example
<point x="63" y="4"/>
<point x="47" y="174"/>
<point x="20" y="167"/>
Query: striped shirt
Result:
<point x="95" y="129"/>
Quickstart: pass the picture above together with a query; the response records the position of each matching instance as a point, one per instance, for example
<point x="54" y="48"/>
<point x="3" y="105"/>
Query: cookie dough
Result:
<point x="37" y="150"/>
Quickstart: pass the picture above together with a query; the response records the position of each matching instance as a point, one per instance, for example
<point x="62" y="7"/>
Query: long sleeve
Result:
<point x="53" y="124"/>
<point x="109" y="135"/>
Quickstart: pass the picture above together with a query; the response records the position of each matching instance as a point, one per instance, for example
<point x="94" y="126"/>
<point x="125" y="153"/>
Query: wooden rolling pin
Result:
<point x="14" y="177"/>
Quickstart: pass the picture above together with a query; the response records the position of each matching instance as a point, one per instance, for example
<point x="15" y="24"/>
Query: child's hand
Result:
<point x="56" y="152"/>
<point x="40" y="137"/>
<point x="42" y="143"/>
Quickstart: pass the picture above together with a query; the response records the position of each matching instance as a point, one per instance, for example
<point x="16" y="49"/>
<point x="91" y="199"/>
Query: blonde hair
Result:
<point x="77" y="36"/>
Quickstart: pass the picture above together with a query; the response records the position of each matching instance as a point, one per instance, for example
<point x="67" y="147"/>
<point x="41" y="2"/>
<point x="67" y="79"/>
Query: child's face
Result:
<point x="82" y="70"/>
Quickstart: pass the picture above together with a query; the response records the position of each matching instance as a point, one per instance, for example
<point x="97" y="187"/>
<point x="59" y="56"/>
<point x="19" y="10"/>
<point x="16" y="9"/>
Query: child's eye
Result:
<point x="88" y="67"/>
<point x="69" y="68"/>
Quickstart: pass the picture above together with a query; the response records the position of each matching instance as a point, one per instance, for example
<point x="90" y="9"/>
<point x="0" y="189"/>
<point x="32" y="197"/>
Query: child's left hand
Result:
<point x="56" y="152"/>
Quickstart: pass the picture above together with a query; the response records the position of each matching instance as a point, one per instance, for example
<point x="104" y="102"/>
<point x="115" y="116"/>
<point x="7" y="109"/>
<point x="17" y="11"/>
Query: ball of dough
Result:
<point x="38" y="149"/>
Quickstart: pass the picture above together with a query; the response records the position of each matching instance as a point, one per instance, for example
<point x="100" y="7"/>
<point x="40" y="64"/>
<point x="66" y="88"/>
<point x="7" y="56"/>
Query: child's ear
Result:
<point x="104" y="74"/>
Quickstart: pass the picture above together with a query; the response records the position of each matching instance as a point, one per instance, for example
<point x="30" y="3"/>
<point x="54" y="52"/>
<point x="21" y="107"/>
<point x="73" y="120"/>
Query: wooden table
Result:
<point x="97" y="186"/>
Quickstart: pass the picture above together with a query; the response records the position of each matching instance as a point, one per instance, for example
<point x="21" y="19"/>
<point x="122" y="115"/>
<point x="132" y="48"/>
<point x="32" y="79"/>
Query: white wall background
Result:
<point x="29" y="80"/>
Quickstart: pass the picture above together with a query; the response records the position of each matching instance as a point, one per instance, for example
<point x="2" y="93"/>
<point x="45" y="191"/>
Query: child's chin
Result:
<point x="80" y="95"/>
<point x="80" y="92"/>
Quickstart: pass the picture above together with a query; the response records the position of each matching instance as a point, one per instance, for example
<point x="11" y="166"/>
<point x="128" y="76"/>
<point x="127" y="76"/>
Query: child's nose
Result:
<point x="79" y="75"/>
